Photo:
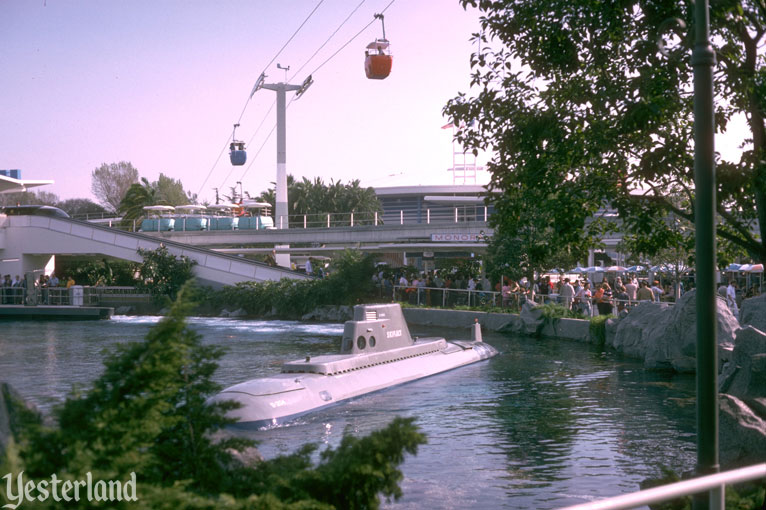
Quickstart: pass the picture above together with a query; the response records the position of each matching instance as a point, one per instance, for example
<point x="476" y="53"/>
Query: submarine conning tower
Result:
<point x="375" y="328"/>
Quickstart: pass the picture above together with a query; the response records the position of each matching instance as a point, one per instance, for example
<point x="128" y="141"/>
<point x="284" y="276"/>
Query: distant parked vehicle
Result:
<point x="34" y="210"/>
<point x="159" y="219"/>
<point x="191" y="218"/>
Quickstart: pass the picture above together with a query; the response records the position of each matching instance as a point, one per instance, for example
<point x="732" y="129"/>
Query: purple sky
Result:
<point x="160" y="84"/>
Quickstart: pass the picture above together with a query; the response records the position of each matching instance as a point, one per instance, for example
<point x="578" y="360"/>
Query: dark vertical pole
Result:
<point x="703" y="61"/>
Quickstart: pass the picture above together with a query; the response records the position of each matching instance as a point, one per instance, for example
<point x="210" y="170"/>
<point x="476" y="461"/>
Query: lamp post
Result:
<point x="703" y="61"/>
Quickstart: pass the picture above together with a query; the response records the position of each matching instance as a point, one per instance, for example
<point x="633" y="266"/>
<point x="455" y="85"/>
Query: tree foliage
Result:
<point x="161" y="273"/>
<point x="583" y="111"/>
<point x="147" y="414"/>
<point x="164" y="191"/>
<point x="38" y="197"/>
<point x="110" y="182"/>
<point x="79" y="207"/>
<point x="315" y="198"/>
<point x="87" y="271"/>
<point x="349" y="283"/>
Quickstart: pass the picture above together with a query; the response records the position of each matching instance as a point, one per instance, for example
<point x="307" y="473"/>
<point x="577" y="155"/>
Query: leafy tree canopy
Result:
<point x="80" y="207"/>
<point x="163" y="274"/>
<point x="39" y="197"/>
<point x="164" y="191"/>
<point x="314" y="197"/>
<point x="583" y="111"/>
<point x="110" y="182"/>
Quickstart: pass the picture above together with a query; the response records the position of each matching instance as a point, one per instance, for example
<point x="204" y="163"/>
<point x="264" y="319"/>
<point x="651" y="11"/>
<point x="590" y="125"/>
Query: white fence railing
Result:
<point x="714" y="484"/>
<point x="335" y="220"/>
<point x="450" y="298"/>
<point x="76" y="295"/>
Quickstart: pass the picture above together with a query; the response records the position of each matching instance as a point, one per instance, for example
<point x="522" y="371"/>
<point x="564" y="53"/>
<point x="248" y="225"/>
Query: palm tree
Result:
<point x="314" y="198"/>
<point x="136" y="198"/>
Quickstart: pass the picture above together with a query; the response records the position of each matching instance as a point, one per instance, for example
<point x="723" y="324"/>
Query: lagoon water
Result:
<point x="544" y="424"/>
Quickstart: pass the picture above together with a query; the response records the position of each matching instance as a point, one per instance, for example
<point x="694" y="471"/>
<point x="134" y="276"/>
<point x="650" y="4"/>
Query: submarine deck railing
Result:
<point x="714" y="484"/>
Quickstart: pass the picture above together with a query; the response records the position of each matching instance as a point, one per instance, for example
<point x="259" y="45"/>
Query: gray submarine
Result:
<point x="377" y="352"/>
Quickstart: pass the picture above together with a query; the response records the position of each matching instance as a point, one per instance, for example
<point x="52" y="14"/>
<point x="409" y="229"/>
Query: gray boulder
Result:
<point x="665" y="337"/>
<point x="675" y="346"/>
<point x="238" y="313"/>
<point x="744" y="376"/>
<point x="742" y="434"/>
<point x="633" y="332"/>
<point x="531" y="318"/>
<point x="753" y="312"/>
<point x="742" y="384"/>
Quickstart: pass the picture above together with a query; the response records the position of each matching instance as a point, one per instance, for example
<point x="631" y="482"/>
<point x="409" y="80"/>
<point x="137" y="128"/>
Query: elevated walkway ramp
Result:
<point x="27" y="242"/>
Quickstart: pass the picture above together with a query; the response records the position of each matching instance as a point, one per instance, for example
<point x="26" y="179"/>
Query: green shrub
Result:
<point x="350" y="282"/>
<point x="598" y="329"/>
<point x="551" y="311"/>
<point x="162" y="274"/>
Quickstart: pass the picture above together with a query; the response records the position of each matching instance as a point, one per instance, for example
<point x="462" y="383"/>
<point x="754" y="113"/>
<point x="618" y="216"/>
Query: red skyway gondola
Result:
<point x="378" y="61"/>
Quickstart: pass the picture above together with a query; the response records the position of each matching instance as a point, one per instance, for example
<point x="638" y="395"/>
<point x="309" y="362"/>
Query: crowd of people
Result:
<point x="608" y="296"/>
<point x="613" y="294"/>
<point x="13" y="291"/>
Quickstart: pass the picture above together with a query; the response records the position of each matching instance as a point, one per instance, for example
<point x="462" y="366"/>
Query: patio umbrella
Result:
<point x="757" y="268"/>
<point x="615" y="269"/>
<point x="745" y="268"/>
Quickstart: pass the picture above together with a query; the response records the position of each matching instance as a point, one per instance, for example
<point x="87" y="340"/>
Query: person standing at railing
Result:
<point x="657" y="291"/>
<point x="506" y="294"/>
<point x="622" y="298"/>
<point x="567" y="294"/>
<point x="6" y="290"/>
<point x="583" y="299"/>
<point x="18" y="284"/>
<point x="422" y="289"/>
<point x="644" y="293"/>
<point x="603" y="299"/>
<point x="731" y="298"/>
<point x="515" y="292"/>
<point x="631" y="288"/>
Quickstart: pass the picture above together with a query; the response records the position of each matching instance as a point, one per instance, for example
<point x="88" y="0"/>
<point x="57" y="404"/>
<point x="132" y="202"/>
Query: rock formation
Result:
<point x="742" y="384"/>
<point x="665" y="337"/>
<point x="753" y="312"/>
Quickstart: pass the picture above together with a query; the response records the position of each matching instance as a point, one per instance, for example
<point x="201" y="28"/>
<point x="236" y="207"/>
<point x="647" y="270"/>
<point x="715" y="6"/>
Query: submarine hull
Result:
<point x="304" y="387"/>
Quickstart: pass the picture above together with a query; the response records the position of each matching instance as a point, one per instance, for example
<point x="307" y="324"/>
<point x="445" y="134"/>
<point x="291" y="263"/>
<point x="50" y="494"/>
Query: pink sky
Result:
<point x="160" y="84"/>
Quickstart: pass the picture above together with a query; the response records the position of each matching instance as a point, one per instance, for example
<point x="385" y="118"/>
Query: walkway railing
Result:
<point x="714" y="484"/>
<point x="338" y="220"/>
<point x="452" y="298"/>
<point x="77" y="295"/>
